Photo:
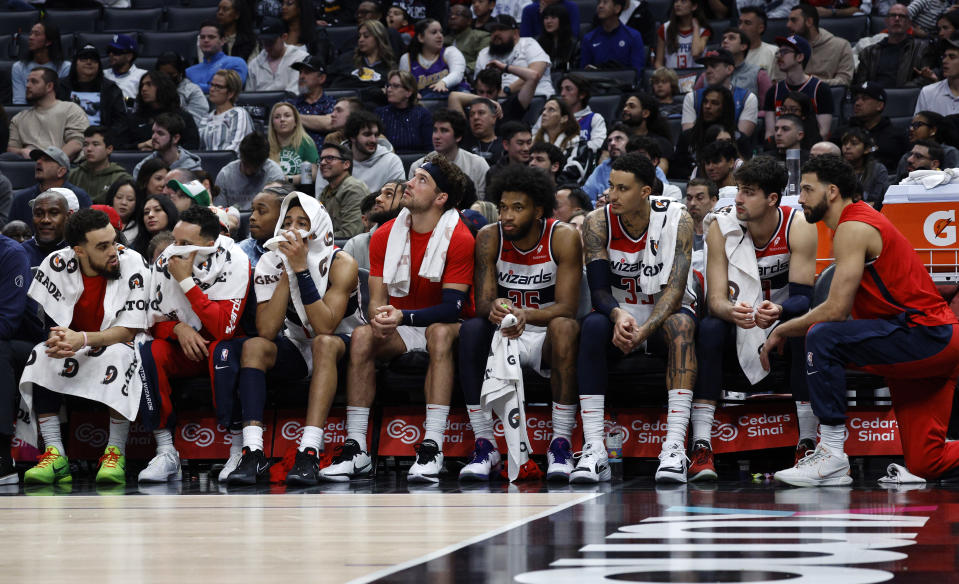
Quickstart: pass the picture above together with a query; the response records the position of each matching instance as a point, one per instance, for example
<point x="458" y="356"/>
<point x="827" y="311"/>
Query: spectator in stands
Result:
<point x="858" y="148"/>
<point x="449" y="127"/>
<point x="665" y="84"/>
<point x="44" y="49"/>
<point x="372" y="11"/>
<point x="716" y="107"/>
<point x="100" y="98"/>
<point x="642" y="117"/>
<point x="616" y="145"/>
<point x="489" y="85"/>
<point x="185" y="189"/>
<point x="558" y="39"/>
<point x="746" y="75"/>
<point x="48" y="121"/>
<point x="369" y="65"/>
<point x="547" y="157"/>
<point x="236" y="18"/>
<point x="399" y="20"/>
<point x="151" y="178"/>
<point x="717" y="161"/>
<point x="299" y="18"/>
<point x="925" y="14"/>
<point x="612" y="44"/>
<point x="345" y="106"/>
<point x="720" y="65"/>
<point x="96" y="173"/>
<point x="702" y="195"/>
<point x="507" y="46"/>
<point x="682" y="39"/>
<point x="211" y="43"/>
<point x="239" y="179"/>
<point x="936" y="128"/>
<point x="17" y="231"/>
<point x="947" y="24"/>
<point x="925" y="155"/>
<point x="270" y="69"/>
<point x="575" y="91"/>
<point x="794" y="53"/>
<point x="752" y="21"/>
<point x="52" y="166"/>
<point x="481" y="138"/>
<point x="482" y="11"/>
<point x="265" y="213"/>
<point x="122" y="197"/>
<point x="226" y="125"/>
<point x="558" y="126"/>
<point x="823" y="148"/>
<point x="374" y="161"/>
<point x="842" y="8"/>
<point x="122" y="51"/>
<point x="468" y="40"/>
<point x="343" y="193"/>
<point x="437" y="69"/>
<point x="313" y="104"/>
<point x="158" y="95"/>
<point x="406" y="124"/>
<point x="941" y="97"/>
<point x="799" y="104"/>
<point x="48" y="216"/>
<point x="531" y="23"/>
<point x="571" y="199"/>
<point x="516" y="140"/>
<point x="192" y="99"/>
<point x="386" y="206"/>
<point x="869" y="104"/>
<point x="831" y="59"/>
<point x="167" y="131"/>
<point x="290" y="146"/>
<point x="789" y="134"/>
<point x="898" y="59"/>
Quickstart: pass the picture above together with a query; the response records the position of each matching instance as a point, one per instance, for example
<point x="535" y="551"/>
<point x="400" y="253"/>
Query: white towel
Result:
<point x="743" y="276"/>
<point x="222" y="271"/>
<point x="110" y="375"/>
<point x="932" y="178"/>
<point x="660" y="243"/>
<point x="396" y="264"/>
<point x="896" y="474"/>
<point x="503" y="395"/>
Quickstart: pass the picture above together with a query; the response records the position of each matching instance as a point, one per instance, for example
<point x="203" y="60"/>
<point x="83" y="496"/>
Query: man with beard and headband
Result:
<point x="309" y="305"/>
<point x="546" y="256"/>
<point x="638" y="251"/>
<point x="883" y="315"/>
<point x="760" y="269"/>
<point x="94" y="294"/>
<point x="386" y="207"/>
<point x="421" y="270"/>
<point x="507" y="46"/>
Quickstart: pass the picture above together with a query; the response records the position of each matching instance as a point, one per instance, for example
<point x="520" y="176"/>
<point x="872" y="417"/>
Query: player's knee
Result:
<point x="563" y="333"/>
<point x="680" y="328"/>
<point x="258" y="353"/>
<point x="440" y="337"/>
<point x="326" y="345"/>
<point x="361" y="342"/>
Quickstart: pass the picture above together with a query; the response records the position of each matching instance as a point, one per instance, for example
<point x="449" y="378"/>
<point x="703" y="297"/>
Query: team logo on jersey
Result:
<point x="58" y="264"/>
<point x="136" y="281"/>
<point x="96" y="351"/>
<point x="660" y="205"/>
<point x="224" y="354"/>
<point x="513" y="418"/>
<point x="110" y="376"/>
<point x="70" y="367"/>
<point x="32" y="358"/>
<point x="654" y="246"/>
<point x="733" y="291"/>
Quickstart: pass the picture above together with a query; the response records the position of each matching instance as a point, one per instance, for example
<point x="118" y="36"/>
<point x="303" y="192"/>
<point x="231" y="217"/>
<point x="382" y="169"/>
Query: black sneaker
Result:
<point x="306" y="469"/>
<point x="8" y="472"/>
<point x="428" y="465"/>
<point x="253" y="467"/>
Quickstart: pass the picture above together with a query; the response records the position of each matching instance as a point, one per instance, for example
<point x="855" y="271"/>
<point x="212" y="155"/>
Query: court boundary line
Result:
<point x="470" y="541"/>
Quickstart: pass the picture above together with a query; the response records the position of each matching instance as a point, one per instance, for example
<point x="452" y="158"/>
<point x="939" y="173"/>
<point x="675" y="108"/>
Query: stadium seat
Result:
<point x="584" y="27"/>
<point x="775" y="27"/>
<point x="152" y="44"/>
<point x="719" y="27"/>
<point x="6" y="87"/>
<point x="820" y="290"/>
<point x="181" y="18"/>
<point x="901" y="124"/>
<point x="338" y="93"/>
<point x="13" y="110"/>
<point x="625" y="78"/>
<point x="14" y="21"/>
<point x="258" y="104"/>
<point x="243" y="230"/>
<point x="341" y="37"/>
<point x="120" y="19"/>
<point x="98" y="39"/>
<point x="901" y="101"/>
<point x="8" y="48"/>
<point x="535" y="109"/>
<point x="66" y="41"/>
<point x="877" y="24"/>
<point x="606" y="106"/>
<point x="364" y="286"/>
<point x="20" y="173"/>
<point x="660" y="9"/>
<point x="409" y="158"/>
<point x="199" y="3"/>
<point x="70" y="21"/>
<point x="145" y="63"/>
<point x="213" y="160"/>
<point x="852" y="28"/>
<point x="141" y="4"/>
<point x="128" y="159"/>
<point x="838" y="95"/>
<point x="675" y="128"/>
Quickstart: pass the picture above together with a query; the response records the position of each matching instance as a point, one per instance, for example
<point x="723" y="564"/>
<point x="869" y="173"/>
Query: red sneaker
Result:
<point x="702" y="467"/>
<point x="530" y="471"/>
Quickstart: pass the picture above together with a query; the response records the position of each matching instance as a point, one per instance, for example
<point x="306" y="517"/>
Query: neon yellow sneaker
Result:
<point x="113" y="467"/>
<point x="52" y="467"/>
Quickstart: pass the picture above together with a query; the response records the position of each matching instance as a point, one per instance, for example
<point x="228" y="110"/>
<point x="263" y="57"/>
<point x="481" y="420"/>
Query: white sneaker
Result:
<point x="559" y="459"/>
<point x="484" y="462"/>
<point x="428" y="464"/>
<point x="672" y="463"/>
<point x="593" y="465"/>
<point x="349" y="463"/>
<point x="164" y="466"/>
<point x="230" y="466"/>
<point x="819" y="468"/>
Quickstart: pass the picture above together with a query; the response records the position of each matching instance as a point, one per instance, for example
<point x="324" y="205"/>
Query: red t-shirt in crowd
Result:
<point x="88" y="311"/>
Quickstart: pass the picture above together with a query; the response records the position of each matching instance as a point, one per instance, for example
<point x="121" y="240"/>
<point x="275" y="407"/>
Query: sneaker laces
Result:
<point x="560" y="454"/>
<point x="110" y="459"/>
<point x="672" y="453"/>
<point x="423" y="454"/>
<point x="812" y="457"/>
<point x="46" y="459"/>
<point x="701" y="455"/>
<point x="476" y="456"/>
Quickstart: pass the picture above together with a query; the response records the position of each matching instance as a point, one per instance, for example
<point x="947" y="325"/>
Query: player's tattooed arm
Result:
<point x="672" y="294"/>
<point x="594" y="236"/>
<point x="484" y="269"/>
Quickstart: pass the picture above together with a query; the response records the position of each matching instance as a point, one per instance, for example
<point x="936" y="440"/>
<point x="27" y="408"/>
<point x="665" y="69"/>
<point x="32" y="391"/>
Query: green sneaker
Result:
<point x="52" y="467"/>
<point x="113" y="467"/>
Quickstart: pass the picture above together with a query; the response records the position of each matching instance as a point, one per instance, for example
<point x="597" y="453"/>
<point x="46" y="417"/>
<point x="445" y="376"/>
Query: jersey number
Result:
<point x="529" y="299"/>
<point x="632" y="297"/>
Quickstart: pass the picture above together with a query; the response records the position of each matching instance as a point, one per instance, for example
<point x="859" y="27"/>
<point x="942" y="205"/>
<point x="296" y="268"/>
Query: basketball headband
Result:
<point x="441" y="183"/>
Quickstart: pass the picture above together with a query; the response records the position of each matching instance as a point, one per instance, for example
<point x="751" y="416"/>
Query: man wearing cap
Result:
<point x="99" y="97"/>
<point x="49" y="121"/>
<point x="96" y="173"/>
<point x="51" y="172"/>
<point x="168" y="128"/>
<point x="122" y="50"/>
<point x="187" y="194"/>
<point x="211" y="40"/>
<point x="313" y="104"/>
<point x="271" y="69"/>
<point x="612" y="44"/>
<point x="50" y="210"/>
<point x="868" y="106"/>
<point x="507" y="46"/>
<point x="896" y="60"/>
<point x="720" y="64"/>
<point x="831" y="57"/>
<point x="942" y="97"/>
<point x="343" y="193"/>
<point x="794" y="53"/>
<point x="532" y="21"/>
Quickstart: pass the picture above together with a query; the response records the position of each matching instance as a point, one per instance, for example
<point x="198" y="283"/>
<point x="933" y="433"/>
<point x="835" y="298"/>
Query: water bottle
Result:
<point x="793" y="168"/>
<point x="306" y="178"/>
<point x="614" y="450"/>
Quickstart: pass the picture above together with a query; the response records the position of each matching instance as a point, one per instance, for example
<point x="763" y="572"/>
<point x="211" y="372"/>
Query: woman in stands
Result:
<point x="927" y="125"/>
<point x="683" y="39"/>
<point x="558" y="39"/>
<point x="226" y="125"/>
<point x="691" y="141"/>
<point x="44" y="49"/>
<point x="558" y="126"/>
<point x="290" y="145"/>
<point x="437" y="69"/>
<point x="857" y="148"/>
<point x="100" y="98"/>
<point x="947" y="25"/>
<point x="159" y="214"/>
<point x="236" y="18"/>
<point x="157" y="95"/>
<point x="370" y="63"/>
<point x="298" y="16"/>
<point x="406" y="124"/>
<point x="152" y="178"/>
<point x="122" y="196"/>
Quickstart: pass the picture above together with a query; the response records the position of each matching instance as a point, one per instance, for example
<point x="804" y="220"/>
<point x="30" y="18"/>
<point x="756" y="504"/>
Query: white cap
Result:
<point x="73" y="204"/>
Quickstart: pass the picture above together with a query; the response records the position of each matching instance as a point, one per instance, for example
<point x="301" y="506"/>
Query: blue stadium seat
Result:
<point x="14" y="21"/>
<point x="409" y="159"/>
<point x="8" y="48"/>
<point x="152" y="44"/>
<point x="775" y="27"/>
<point x="120" y="19"/>
<point x="181" y="18"/>
<point x="20" y="173"/>
<point x="901" y="101"/>
<point x="607" y="106"/>
<point x="213" y="160"/>
<point x="128" y="159"/>
<point x="98" y="39"/>
<point x="70" y="21"/>
<point x="850" y="28"/>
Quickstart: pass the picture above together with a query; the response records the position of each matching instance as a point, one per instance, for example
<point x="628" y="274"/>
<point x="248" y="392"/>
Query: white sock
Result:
<point x="436" y="423"/>
<point x="164" y="440"/>
<point x="702" y="417"/>
<point x="482" y="423"/>
<point x="592" y="408"/>
<point x="677" y="414"/>
<point x="357" y="421"/>
<point x="50" y="430"/>
<point x="119" y="430"/>
<point x="808" y="422"/>
<point x="253" y="437"/>
<point x="236" y="442"/>
<point x="834" y="437"/>
<point x="564" y="418"/>
<point x="312" y="438"/>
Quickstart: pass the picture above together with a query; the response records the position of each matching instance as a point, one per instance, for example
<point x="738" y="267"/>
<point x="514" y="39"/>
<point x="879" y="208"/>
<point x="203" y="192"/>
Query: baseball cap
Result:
<point x="798" y="44"/>
<point x="229" y="217"/>
<point x="717" y="56"/>
<point x="122" y="43"/>
<point x="310" y="63"/>
<point x="112" y="214"/>
<point x="53" y="153"/>
<point x="501" y="22"/>
<point x="271" y="28"/>
<point x="73" y="204"/>
<point x="193" y="189"/>
<point x="872" y="89"/>
<point x="87" y="51"/>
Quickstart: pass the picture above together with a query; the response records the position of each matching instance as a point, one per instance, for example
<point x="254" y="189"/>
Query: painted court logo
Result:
<point x="403" y="431"/>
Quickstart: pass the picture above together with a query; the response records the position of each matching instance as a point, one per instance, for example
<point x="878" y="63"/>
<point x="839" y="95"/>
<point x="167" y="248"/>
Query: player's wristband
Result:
<point x="308" y="292"/>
